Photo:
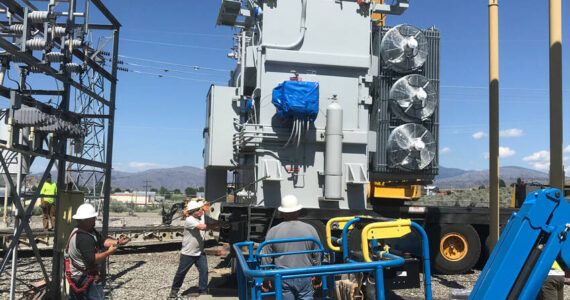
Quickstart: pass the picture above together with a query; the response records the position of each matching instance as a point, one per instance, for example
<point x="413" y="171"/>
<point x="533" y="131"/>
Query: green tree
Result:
<point x="117" y="190"/>
<point x="176" y="191"/>
<point x="154" y="190"/>
<point x="190" y="191"/>
<point x="163" y="190"/>
<point x="201" y="189"/>
<point x="502" y="183"/>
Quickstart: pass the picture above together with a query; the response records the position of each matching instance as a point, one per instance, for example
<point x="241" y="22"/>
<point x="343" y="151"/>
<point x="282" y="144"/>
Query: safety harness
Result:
<point x="92" y="273"/>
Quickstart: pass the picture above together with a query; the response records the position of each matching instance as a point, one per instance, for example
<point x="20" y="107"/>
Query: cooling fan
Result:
<point x="411" y="147"/>
<point x="404" y="48"/>
<point x="413" y="98"/>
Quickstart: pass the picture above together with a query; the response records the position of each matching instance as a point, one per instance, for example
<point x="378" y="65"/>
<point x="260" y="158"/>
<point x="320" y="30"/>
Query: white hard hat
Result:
<point x="85" y="211"/>
<point x="193" y="205"/>
<point x="289" y="204"/>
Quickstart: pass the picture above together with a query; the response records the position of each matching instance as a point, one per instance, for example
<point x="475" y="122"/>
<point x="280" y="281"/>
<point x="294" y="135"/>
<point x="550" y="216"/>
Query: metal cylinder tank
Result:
<point x="333" y="152"/>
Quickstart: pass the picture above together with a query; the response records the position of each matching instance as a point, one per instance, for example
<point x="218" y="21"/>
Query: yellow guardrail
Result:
<point x="383" y="230"/>
<point x="341" y="222"/>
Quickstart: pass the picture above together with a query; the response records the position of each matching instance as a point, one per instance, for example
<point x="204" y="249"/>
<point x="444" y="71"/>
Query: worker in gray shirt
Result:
<point x="291" y="227"/>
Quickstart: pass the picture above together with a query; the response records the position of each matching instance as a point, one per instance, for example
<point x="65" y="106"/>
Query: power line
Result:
<point x="171" y="70"/>
<point x="169" y="76"/>
<point x="172" y="44"/>
<point x="195" y="67"/>
<point x="176" y="32"/>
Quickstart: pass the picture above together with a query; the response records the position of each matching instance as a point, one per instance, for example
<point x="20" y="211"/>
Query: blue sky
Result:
<point x="159" y="121"/>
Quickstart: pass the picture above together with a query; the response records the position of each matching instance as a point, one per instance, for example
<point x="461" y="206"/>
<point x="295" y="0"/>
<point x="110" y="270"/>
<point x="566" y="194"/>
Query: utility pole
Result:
<point x="146" y="186"/>
<point x="493" y="123"/>
<point x="555" y="54"/>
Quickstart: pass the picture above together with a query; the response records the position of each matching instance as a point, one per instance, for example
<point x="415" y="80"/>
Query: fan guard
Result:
<point x="411" y="147"/>
<point x="404" y="48"/>
<point x="413" y="98"/>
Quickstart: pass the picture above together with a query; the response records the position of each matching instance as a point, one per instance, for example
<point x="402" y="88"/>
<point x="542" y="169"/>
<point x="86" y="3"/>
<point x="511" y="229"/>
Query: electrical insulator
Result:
<point x="35" y="69"/>
<point x="54" y="57"/>
<point x="75" y="44"/>
<point x="58" y="31"/>
<point x="36" y="44"/>
<point x="73" y="68"/>
<point x="38" y="16"/>
<point x="16" y="28"/>
<point x="122" y="69"/>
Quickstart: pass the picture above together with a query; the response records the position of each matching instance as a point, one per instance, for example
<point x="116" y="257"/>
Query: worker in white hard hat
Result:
<point x="192" y="252"/>
<point x="85" y="251"/>
<point x="291" y="227"/>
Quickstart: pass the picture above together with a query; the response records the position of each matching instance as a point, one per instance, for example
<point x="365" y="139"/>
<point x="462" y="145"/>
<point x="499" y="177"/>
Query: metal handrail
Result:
<point x="245" y="270"/>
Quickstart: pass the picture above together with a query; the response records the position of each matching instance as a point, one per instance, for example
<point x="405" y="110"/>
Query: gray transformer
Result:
<point x="326" y="162"/>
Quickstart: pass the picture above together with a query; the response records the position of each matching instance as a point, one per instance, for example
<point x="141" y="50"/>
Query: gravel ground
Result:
<point x="148" y="273"/>
<point x="131" y="275"/>
<point x="149" y="276"/>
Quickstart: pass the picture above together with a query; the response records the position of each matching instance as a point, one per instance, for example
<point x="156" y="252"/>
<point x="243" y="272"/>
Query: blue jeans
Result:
<point x="185" y="263"/>
<point x="298" y="289"/>
<point x="93" y="292"/>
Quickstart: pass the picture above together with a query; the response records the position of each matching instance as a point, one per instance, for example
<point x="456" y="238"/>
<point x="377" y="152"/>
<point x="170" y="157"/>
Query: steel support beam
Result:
<point x="110" y="130"/>
<point x="25" y="216"/>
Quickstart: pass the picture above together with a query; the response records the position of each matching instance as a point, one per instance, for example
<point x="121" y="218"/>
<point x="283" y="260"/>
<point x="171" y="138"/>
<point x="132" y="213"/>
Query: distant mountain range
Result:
<point x="451" y="178"/>
<point x="183" y="177"/>
<point x="170" y="178"/>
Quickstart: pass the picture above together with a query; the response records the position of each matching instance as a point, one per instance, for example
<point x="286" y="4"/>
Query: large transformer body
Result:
<point x="328" y="104"/>
<point x="334" y="45"/>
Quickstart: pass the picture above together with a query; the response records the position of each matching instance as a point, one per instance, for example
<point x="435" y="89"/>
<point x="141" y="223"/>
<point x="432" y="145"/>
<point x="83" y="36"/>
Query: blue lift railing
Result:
<point x="251" y="272"/>
<point x="425" y="253"/>
<point x="250" y="276"/>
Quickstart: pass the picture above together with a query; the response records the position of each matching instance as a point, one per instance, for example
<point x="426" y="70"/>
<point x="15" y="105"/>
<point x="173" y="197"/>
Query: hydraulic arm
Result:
<point x="533" y="239"/>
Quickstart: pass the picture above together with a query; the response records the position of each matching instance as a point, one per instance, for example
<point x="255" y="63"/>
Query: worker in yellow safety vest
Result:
<point x="553" y="286"/>
<point x="48" y="203"/>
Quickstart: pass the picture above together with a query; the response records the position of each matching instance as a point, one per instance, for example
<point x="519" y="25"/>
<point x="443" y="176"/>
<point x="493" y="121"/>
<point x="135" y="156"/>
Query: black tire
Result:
<point x="486" y="246"/>
<point x="455" y="248"/>
<point x="321" y="231"/>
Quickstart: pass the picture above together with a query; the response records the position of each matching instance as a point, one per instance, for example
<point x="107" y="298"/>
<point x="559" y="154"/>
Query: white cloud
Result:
<point x="540" y="156"/>
<point x="479" y="135"/>
<point x="136" y="166"/>
<point x="513" y="132"/>
<point x="539" y="160"/>
<point x="506" y="152"/>
<point x="444" y="150"/>
<point x="567" y="149"/>
<point x="543" y="166"/>
<point x="503" y="152"/>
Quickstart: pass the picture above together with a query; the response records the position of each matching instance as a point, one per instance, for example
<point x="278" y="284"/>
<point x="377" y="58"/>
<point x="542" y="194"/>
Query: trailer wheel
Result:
<point x="455" y="248"/>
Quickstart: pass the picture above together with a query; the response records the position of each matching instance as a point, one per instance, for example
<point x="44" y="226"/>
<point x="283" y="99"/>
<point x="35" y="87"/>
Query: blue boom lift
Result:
<point x="532" y="240"/>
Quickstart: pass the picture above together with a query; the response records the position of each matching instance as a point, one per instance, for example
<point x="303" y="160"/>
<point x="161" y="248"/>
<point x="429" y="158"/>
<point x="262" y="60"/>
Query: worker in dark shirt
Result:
<point x="85" y="252"/>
